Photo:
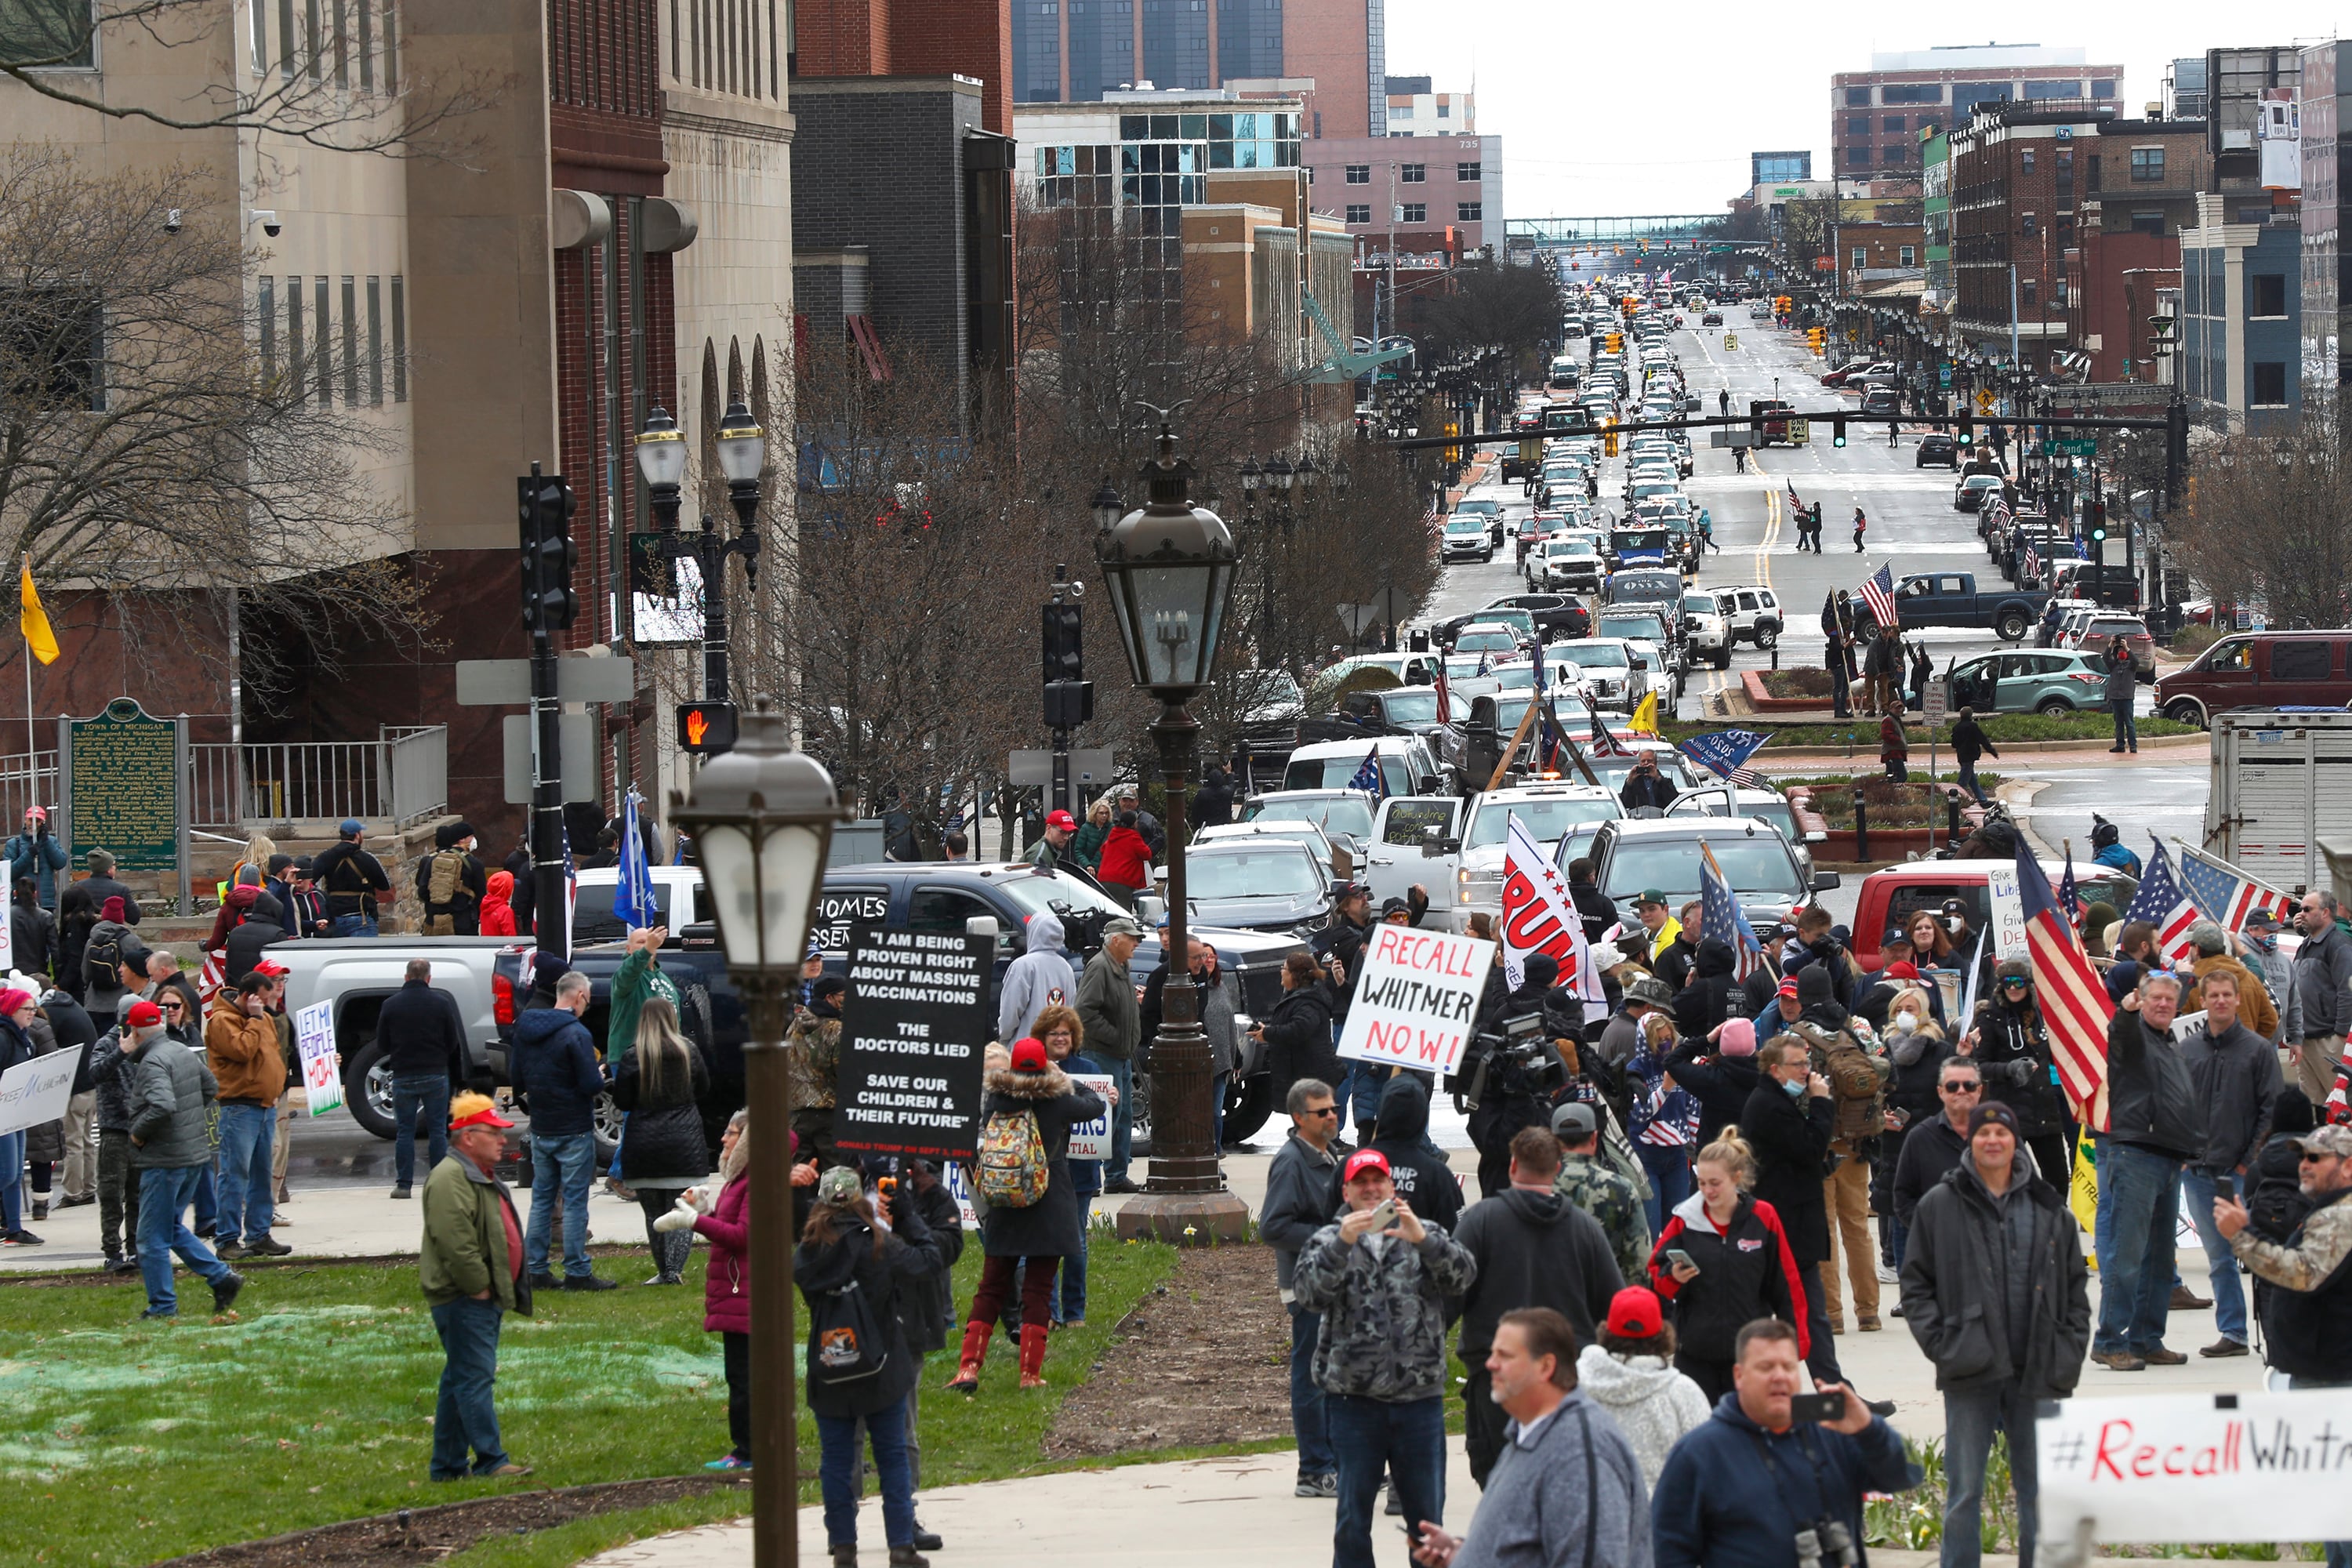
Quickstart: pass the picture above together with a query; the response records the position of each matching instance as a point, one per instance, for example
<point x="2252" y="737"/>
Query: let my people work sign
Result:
<point x="912" y="1028"/>
<point x="2198" y="1466"/>
<point x="1415" y="998"/>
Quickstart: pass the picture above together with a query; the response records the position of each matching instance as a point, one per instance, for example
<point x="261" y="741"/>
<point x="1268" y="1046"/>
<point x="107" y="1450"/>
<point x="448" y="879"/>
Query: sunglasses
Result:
<point x="2018" y="981"/>
<point x="2314" y="1158"/>
<point x="1960" y="1086"/>
<point x="1321" y="1110"/>
<point x="176" y="1006"/>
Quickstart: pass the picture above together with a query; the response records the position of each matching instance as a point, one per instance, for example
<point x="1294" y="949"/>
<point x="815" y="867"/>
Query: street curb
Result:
<point x="2018" y="795"/>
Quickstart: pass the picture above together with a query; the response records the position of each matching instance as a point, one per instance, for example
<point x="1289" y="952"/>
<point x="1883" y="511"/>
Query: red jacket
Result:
<point x="1746" y="1271"/>
<point x="1894" y="746"/>
<point x="1126" y="859"/>
<point x="727" y="1279"/>
<point x="497" y="908"/>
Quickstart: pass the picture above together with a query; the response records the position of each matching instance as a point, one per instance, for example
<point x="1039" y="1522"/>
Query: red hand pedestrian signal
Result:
<point x="705" y="729"/>
<point x="698" y="725"/>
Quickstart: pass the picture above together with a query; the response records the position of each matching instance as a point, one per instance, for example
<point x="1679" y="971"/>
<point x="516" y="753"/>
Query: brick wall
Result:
<point x="1330" y="40"/>
<point x="911" y="37"/>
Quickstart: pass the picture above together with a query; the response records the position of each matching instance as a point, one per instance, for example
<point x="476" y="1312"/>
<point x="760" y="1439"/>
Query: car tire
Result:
<point x="1723" y="657"/>
<point x="2186" y="711"/>
<point x="370" y="1102"/>
<point x="1768" y="634"/>
<point x="1248" y="1105"/>
<point x="2053" y="708"/>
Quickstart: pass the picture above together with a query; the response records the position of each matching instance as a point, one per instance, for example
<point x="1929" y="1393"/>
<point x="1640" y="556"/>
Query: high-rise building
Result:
<point x="1876" y="116"/>
<point x="2327" y="171"/>
<point x="1415" y="110"/>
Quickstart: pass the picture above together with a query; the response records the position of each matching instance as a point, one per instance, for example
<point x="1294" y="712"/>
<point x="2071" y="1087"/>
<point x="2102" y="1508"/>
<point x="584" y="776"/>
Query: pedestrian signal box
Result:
<point x="705" y="729"/>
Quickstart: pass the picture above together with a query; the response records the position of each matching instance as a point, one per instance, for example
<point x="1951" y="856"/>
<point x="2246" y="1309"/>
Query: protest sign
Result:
<point x="2199" y="1467"/>
<point x="314" y="1037"/>
<point x="1091" y="1139"/>
<point x="37" y="1091"/>
<point x="913" y="1026"/>
<point x="2008" y="912"/>
<point x="1417" y="995"/>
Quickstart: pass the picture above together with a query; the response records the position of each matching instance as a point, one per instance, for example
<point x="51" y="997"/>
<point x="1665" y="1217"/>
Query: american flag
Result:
<point x="2224" y="894"/>
<point x="1444" y="695"/>
<point x="2163" y="905"/>
<point x="1792" y="495"/>
<point x="2073" y="1001"/>
<point x="1720" y="916"/>
<point x="2069" y="895"/>
<point x="1368" y="777"/>
<point x="1879" y="594"/>
<point x="2031" y="569"/>
<point x="1604" y="743"/>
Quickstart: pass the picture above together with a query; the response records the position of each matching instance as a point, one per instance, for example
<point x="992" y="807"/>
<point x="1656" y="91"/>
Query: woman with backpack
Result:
<point x="660" y="1083"/>
<point x="1033" y="1216"/>
<point x="850" y="1269"/>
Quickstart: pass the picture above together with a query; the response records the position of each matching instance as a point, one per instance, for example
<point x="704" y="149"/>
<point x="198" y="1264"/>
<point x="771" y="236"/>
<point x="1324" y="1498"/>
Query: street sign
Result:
<point x="1088" y="765"/>
<point x="582" y="775"/>
<point x="1731" y="341"/>
<point x="2086" y="447"/>
<point x="1984" y="399"/>
<point x="1936" y="702"/>
<point x="506" y="682"/>
<point x="1944" y="376"/>
<point x="1736" y="436"/>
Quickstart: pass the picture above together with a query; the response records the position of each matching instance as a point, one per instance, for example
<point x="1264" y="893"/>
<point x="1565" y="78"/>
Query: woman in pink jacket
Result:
<point x="727" y="1277"/>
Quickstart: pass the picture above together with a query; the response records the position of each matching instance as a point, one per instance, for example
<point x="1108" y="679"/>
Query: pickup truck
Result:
<point x="1393" y="711"/>
<point x="1953" y="599"/>
<point x="1771" y="420"/>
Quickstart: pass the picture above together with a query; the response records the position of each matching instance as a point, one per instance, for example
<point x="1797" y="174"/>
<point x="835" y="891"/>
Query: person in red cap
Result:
<point x="1630" y="1374"/>
<point x="470" y="1264"/>
<point x="1047" y="852"/>
<point x="241" y="1046"/>
<point x="1022" y="1225"/>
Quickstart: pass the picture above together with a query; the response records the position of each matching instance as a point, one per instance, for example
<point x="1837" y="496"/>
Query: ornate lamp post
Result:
<point x="742" y="454"/>
<point x="1170" y="568"/>
<point x="761" y="817"/>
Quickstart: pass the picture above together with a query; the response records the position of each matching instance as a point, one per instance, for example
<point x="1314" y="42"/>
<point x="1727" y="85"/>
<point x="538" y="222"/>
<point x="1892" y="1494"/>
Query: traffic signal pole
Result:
<point x="549" y="606"/>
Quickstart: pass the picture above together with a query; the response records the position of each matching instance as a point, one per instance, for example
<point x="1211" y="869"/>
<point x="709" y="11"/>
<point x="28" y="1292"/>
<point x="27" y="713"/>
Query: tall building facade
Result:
<point x="1876" y="115"/>
<point x="2326" y="174"/>
<point x="2019" y="175"/>
<point x="1779" y="168"/>
<point x="1417" y="187"/>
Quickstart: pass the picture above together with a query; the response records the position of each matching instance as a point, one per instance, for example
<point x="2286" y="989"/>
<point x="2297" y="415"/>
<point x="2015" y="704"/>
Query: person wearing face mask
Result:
<point x="1917" y="1047"/>
<point x="2011" y="1044"/>
<point x="2259" y="940"/>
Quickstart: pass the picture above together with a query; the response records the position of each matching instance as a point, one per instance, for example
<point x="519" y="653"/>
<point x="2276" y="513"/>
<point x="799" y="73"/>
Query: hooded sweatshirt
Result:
<point x="497" y="908"/>
<point x="1533" y="1249"/>
<point x="1042" y="977"/>
<point x="1423" y="1180"/>
<point x="1718" y="1502"/>
<point x="1652" y="1403"/>
<point x="1712" y="994"/>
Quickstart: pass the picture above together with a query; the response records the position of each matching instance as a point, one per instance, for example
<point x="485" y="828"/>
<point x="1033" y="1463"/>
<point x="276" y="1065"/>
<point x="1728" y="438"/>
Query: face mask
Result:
<point x="1794" y="1088"/>
<point x="2263" y="943"/>
<point x="1904" y="1023"/>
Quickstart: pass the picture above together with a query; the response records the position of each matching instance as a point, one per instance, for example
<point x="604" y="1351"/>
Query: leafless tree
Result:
<point x="1488" y="306"/>
<point x="145" y="443"/>
<point x="2269" y="518"/>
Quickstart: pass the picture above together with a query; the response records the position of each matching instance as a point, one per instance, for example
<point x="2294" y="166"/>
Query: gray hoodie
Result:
<point x="1654" y="1405"/>
<point x="172" y="1091"/>
<point x="1042" y="977"/>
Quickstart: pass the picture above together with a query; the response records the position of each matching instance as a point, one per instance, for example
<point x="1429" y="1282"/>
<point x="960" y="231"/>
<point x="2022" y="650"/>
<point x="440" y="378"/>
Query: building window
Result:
<point x="399" y="338"/>
<point x="1412" y="211"/>
<point x="351" y="342"/>
<point x="1445" y="109"/>
<point x="2025" y="160"/>
<point x="265" y="311"/>
<point x="1861" y="257"/>
<point x="1363" y="213"/>
<point x="1858" y="98"/>
<point x="2103" y="89"/>
<point x="1411" y="174"/>
<point x="1909" y="257"/>
<point x="2267" y="292"/>
<point x="2148" y="223"/>
<point x="2029" y="226"/>
<point x="375" y="342"/>
<point x="1858" y="157"/>
<point x="1857" y="124"/>
<point x="2269" y="385"/>
<point x="1400" y="111"/>
<point x="1360" y="173"/>
<point x="1891" y="123"/>
<point x="1895" y="152"/>
<point x="60" y="32"/>
<point x="2037" y="90"/>
<point x="1912" y="92"/>
<point x="299" y="371"/>
<point x="321" y="327"/>
<point x="2028" y="293"/>
<point x="1469" y="211"/>
<point x="2147" y="165"/>
<point x="1469" y="173"/>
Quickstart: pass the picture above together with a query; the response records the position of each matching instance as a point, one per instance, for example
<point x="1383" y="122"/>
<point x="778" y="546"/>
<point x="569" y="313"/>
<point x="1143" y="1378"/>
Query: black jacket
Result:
<point x="2013" y="1054"/>
<point x="1675" y="964"/>
<point x="1052" y="1226"/>
<point x="1746" y="1270"/>
<point x="664" y="1137"/>
<point x="526" y="891"/>
<point x="263" y="925"/>
<point x="555" y="1068"/>
<point x="1711" y="993"/>
<point x="2151" y="1100"/>
<point x="33" y="931"/>
<point x="1956" y="1299"/>
<point x="2274" y="1193"/>
<point x="1213" y="803"/>
<point x="1298" y="1036"/>
<point x="927" y="1304"/>
<point x="1969" y="742"/>
<point x="2236" y="1077"/>
<point x="1647" y="788"/>
<point x="907" y="1256"/>
<point x="1720" y="1084"/>
<point x="1533" y="1249"/>
<point x="420" y="1032"/>
<point x="1596" y="907"/>
<point x="351" y="877"/>
<point x="101" y="888"/>
<point x="2306" y="1329"/>
<point x="1426" y="1183"/>
<point x="1930" y="1149"/>
<point x="1791" y="1135"/>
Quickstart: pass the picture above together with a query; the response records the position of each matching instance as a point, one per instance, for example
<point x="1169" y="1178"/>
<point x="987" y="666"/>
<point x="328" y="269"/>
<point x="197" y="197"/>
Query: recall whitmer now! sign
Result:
<point x="1415" y="997"/>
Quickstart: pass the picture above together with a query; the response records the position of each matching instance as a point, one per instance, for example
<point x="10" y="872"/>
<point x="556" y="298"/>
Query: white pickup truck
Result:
<point x="1454" y="845"/>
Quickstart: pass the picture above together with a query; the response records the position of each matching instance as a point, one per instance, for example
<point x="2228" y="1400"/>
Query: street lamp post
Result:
<point x="1169" y="567"/>
<point x="742" y="455"/>
<point x="761" y="817"/>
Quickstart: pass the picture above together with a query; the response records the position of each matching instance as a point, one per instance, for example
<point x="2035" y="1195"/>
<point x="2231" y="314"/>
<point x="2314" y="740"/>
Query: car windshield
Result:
<point x="1592" y="656"/>
<point x="1485" y="642"/>
<point x="1641" y="628"/>
<point x="1344" y="813"/>
<point x="1039" y="892"/>
<point x="1255" y="872"/>
<point x="1471" y="526"/>
<point x="1487" y="506"/>
<point x="1411" y="707"/>
<point x="1699" y="605"/>
<point x="1757" y="866"/>
<point x="1545" y="819"/>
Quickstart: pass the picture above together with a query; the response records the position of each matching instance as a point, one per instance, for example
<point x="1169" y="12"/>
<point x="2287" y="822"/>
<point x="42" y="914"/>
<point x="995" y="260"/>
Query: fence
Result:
<point x="403" y="775"/>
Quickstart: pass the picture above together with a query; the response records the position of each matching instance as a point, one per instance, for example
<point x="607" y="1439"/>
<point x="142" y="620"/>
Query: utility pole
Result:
<point x="549" y="606"/>
<point x="1069" y="699"/>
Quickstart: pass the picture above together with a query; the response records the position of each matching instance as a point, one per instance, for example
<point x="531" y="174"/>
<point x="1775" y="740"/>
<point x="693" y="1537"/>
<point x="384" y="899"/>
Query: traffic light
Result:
<point x="705" y="729"/>
<point x="1070" y="703"/>
<point x="1814" y="339"/>
<point x="1064" y="658"/>
<point x="1837" y="431"/>
<point x="1609" y="441"/>
<point x="546" y="504"/>
<point x="1967" y="427"/>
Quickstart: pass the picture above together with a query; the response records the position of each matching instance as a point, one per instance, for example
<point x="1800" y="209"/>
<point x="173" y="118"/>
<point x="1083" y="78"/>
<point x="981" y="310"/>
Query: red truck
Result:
<point x="1891" y="897"/>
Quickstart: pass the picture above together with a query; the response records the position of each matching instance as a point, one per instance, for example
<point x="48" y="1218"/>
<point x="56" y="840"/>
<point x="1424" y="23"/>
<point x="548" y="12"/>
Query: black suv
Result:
<point x="1937" y="447"/>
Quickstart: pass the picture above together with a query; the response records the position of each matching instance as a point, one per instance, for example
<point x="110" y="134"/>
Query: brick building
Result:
<point x="2019" y="176"/>
<point x="1418" y="187"/>
<point x="1876" y="115"/>
<point x="2141" y="179"/>
<point x="973" y="38"/>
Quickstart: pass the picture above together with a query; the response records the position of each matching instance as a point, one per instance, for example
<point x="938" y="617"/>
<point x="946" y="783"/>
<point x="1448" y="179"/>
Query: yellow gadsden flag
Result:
<point x="1644" y="720"/>
<point x="34" y="620"/>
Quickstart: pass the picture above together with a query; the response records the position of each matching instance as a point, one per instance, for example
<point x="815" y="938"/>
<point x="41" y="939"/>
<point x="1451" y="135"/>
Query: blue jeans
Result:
<point x="1217" y="1114"/>
<point x="427" y="1093"/>
<point x="1407" y="1440"/>
<point x="1073" y="1286"/>
<point x="1308" y="1418"/>
<point x="1968" y="781"/>
<point x="12" y="1181"/>
<point x="1122" y="1118"/>
<point x="1969" y="1420"/>
<point x="560" y="1167"/>
<point x="2126" y="727"/>
<point x="2135" y="1254"/>
<point x="466" y="1416"/>
<point x="163" y="1195"/>
<point x="2228" y="1294"/>
<point x="1670" y="1179"/>
<point x="354" y="925"/>
<point x="246" y="1132"/>
<point x="837" y="1474"/>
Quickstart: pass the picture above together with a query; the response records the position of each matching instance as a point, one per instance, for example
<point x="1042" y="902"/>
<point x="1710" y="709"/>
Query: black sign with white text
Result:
<point x="913" y="1027"/>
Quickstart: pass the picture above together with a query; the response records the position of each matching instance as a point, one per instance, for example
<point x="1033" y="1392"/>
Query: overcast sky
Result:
<point x="1609" y="110"/>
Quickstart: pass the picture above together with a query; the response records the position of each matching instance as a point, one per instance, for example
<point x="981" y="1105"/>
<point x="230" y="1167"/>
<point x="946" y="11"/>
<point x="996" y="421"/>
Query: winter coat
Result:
<point x="1718" y="1503"/>
<point x="1893" y="746"/>
<point x="242" y="1053"/>
<point x="639" y="977"/>
<point x="727" y="1272"/>
<point x="2323" y="980"/>
<point x="420" y="1032"/>
<point x="1674" y="964"/>
<point x="1086" y="845"/>
<point x="1126" y="859"/>
<point x="2151" y="1101"/>
<point x="2277" y="969"/>
<point x="1297" y="1202"/>
<point x="33" y="937"/>
<point x="663" y="1143"/>
<point x="1969" y="742"/>
<point x="2122" y="683"/>
<point x="1298" y="1040"/>
<point x="462" y="915"/>
<point x="45" y="1141"/>
<point x="110" y="1074"/>
<point x="1040" y="978"/>
<point x="1108" y="1008"/>
<point x="2272" y="1190"/>
<point x="1746" y="1271"/>
<point x="1533" y="1249"/>
<point x="172" y="1093"/>
<point x="553" y="1065"/>
<point x="1213" y="803"/>
<point x="1918" y="1059"/>
<point x="1383" y="1305"/>
<point x="1423" y="1180"/>
<point x="908" y="1254"/>
<point x="101" y="888"/>
<point x="1791" y="1135"/>
<point x="110" y="942"/>
<point x="1712" y="994"/>
<point x="1930" y="1149"/>
<point x="2255" y="1010"/>
<point x="1857" y="1084"/>
<point x="1958" y="1294"/>
<point x="1053" y="1225"/>
<point x="2014" y="1056"/>
<point x="464" y="1249"/>
<point x="39" y="856"/>
<point x="497" y="906"/>
<point x="813" y="1055"/>
<point x="925" y="1307"/>
<point x="1588" y="1182"/>
<point x="2303" y="1318"/>
<point x="2236" y="1076"/>
<point x="264" y="927"/>
<point x="1651" y="1403"/>
<point x="1720" y="1084"/>
<point x="351" y="877"/>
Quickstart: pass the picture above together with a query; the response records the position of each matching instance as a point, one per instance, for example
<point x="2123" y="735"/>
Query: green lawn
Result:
<point x="129" y="1443"/>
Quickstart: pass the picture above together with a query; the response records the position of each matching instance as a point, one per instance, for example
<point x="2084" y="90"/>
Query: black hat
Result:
<point x="1542" y="970"/>
<point x="1992" y="1110"/>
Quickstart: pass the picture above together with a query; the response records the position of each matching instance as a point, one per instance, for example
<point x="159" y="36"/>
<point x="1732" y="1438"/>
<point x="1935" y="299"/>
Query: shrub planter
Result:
<point x="1752" y="682"/>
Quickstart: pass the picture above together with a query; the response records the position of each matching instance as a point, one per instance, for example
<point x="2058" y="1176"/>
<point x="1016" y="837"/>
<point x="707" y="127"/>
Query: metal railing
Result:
<point x="22" y="786"/>
<point x="403" y="775"/>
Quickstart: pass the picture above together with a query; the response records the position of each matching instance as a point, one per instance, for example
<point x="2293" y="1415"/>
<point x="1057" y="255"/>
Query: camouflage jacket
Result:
<point x="812" y="1057"/>
<point x="1589" y="1183"/>
<point x="1383" y="1306"/>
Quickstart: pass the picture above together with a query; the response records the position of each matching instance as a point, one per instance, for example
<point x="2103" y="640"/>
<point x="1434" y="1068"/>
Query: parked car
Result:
<point x="1971" y="492"/>
<point x="1632" y="855"/>
<point x="1466" y="539"/>
<point x="1890" y="897"/>
<point x="2260" y="670"/>
<point x="1937" y="447"/>
<point x="2049" y="681"/>
<point x="2094" y="633"/>
<point x="1268" y="883"/>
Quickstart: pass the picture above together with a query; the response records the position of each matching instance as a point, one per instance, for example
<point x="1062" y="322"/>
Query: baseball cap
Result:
<point x="1121" y="926"/>
<point x="1649" y="896"/>
<point x="2265" y="918"/>
<point x="475" y="1111"/>
<point x="1363" y="1159"/>
<point x="349" y="825"/>
<point x="143" y="1014"/>
<point x="1394" y="907"/>
<point x="1062" y="820"/>
<point x="1902" y="970"/>
<point x="1351" y="890"/>
<point x="1788" y="988"/>
<point x="2331" y="1139"/>
<point x="37" y="813"/>
<point x="839" y="1186"/>
<point x="1029" y="1055"/>
<point x="1633" y="1313"/>
<point x="270" y="967"/>
<point x="1574" y="1120"/>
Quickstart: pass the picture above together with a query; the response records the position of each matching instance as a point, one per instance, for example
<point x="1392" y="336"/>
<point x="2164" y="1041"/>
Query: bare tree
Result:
<point x="2269" y="518"/>
<point x="147" y="444"/>
<point x="1488" y="306"/>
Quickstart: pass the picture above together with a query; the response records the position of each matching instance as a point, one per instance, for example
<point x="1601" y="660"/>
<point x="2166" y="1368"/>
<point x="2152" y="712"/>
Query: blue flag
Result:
<point x="1368" y="777"/>
<point x="1724" y="752"/>
<point x="634" y="902"/>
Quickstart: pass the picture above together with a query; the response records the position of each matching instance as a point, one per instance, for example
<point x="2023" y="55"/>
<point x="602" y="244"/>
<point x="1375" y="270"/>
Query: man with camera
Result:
<point x="1996" y="1292"/>
<point x="1775" y="1479"/>
<point x="1567" y="1486"/>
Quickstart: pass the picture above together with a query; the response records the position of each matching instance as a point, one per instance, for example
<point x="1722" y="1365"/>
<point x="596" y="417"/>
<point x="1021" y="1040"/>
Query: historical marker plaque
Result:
<point x="125" y="786"/>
